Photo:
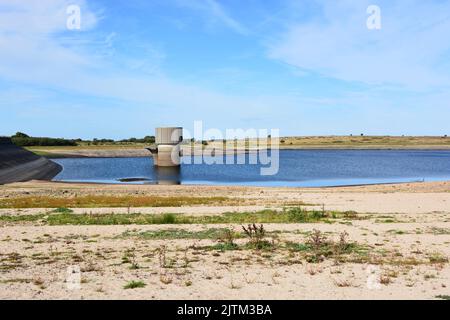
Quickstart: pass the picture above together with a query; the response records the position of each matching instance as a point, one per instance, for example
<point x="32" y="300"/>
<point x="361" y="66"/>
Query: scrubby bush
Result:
<point x="23" y="140"/>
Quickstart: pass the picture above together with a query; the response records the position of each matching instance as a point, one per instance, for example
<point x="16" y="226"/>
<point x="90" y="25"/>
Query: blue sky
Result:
<point x="307" y="67"/>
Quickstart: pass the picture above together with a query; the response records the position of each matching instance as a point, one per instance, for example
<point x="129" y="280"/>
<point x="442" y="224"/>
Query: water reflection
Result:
<point x="167" y="175"/>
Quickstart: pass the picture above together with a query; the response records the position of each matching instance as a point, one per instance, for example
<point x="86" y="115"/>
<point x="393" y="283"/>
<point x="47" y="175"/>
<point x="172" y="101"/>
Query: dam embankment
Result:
<point x="18" y="164"/>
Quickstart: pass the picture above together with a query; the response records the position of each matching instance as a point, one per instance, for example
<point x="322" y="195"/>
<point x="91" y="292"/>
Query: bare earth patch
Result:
<point x="396" y="244"/>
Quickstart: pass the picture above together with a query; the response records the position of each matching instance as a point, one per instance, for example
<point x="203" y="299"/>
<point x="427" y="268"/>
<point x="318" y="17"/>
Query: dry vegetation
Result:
<point x="307" y="142"/>
<point x="196" y="250"/>
<point x="367" y="142"/>
<point x="107" y="201"/>
<point x="332" y="254"/>
<point x="344" y="142"/>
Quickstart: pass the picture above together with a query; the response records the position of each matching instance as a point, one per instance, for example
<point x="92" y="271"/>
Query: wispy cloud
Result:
<point x="76" y="66"/>
<point x="214" y="13"/>
<point x="410" y="50"/>
<point x="105" y="75"/>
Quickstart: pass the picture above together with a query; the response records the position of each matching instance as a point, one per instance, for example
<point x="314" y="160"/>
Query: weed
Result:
<point x="437" y="257"/>
<point x="168" y="218"/>
<point x="62" y="210"/>
<point x="162" y="256"/>
<point x="385" y="279"/>
<point x="292" y="215"/>
<point x="257" y="236"/>
<point x="342" y="283"/>
<point x="299" y="215"/>
<point x="212" y="233"/>
<point x="165" y="278"/>
<point x="227" y="240"/>
<point x="106" y="201"/>
<point x="134" y="284"/>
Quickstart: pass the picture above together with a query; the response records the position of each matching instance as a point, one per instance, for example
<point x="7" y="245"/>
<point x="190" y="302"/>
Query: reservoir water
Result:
<point x="309" y="168"/>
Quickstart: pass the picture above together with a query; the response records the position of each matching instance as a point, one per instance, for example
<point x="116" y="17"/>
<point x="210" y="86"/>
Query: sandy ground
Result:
<point x="396" y="198"/>
<point x="406" y="229"/>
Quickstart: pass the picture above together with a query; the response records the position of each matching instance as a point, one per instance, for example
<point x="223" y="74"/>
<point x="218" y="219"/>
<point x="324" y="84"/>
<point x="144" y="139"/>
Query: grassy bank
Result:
<point x="291" y="215"/>
<point x="108" y="201"/>
<point x="369" y="142"/>
<point x="306" y="142"/>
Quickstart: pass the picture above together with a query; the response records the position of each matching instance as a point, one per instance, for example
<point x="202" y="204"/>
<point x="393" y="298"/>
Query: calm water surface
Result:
<point x="311" y="168"/>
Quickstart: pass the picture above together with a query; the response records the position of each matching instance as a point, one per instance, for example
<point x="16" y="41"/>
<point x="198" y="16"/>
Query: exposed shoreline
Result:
<point x="142" y="152"/>
<point x="401" y="230"/>
<point x="156" y="235"/>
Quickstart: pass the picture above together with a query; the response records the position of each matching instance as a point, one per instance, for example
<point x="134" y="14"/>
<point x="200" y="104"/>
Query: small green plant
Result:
<point x="257" y="236"/>
<point x="437" y="257"/>
<point x="300" y="215"/>
<point x="319" y="244"/>
<point x="227" y="240"/>
<point x="297" y="246"/>
<point x="343" y="245"/>
<point x="297" y="214"/>
<point x="134" y="284"/>
<point x="62" y="210"/>
<point x="254" y="232"/>
<point x="317" y="239"/>
<point x="168" y="218"/>
<point x="130" y="257"/>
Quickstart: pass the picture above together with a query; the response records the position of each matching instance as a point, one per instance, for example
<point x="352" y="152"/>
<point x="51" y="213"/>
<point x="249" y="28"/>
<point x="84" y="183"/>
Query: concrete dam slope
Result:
<point x="18" y="164"/>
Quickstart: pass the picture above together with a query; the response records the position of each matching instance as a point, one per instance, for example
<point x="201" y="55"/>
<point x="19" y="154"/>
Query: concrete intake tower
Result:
<point x="167" y="152"/>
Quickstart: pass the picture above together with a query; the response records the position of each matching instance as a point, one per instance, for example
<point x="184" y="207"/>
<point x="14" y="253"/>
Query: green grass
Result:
<point x="49" y="155"/>
<point x="327" y="249"/>
<point x="293" y="215"/>
<point x="22" y="218"/>
<point x="299" y="247"/>
<point x="62" y="210"/>
<point x="107" y="201"/>
<point x="225" y="247"/>
<point x="169" y="234"/>
<point x="298" y="214"/>
<point x="134" y="285"/>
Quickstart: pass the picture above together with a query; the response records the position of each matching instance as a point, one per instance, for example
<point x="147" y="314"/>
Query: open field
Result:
<point x="159" y="242"/>
<point x="325" y="142"/>
<point x="367" y="142"/>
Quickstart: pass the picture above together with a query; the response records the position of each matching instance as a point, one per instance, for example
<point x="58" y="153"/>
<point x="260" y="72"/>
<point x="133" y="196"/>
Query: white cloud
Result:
<point x="408" y="51"/>
<point x="44" y="54"/>
<point x="29" y="40"/>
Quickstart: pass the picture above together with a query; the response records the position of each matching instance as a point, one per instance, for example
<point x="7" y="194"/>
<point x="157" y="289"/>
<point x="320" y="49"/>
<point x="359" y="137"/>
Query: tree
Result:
<point x="20" y="135"/>
<point x="149" y="139"/>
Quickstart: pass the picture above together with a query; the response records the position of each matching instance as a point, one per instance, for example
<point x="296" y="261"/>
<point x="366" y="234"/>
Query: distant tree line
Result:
<point x="146" y="139"/>
<point x="24" y="140"/>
